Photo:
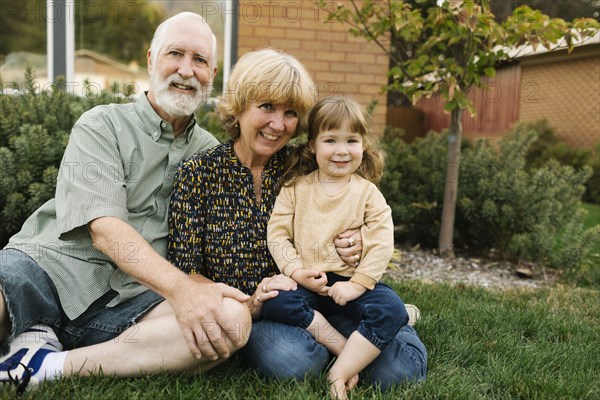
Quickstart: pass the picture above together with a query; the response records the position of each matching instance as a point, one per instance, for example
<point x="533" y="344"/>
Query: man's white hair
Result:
<point x="160" y="37"/>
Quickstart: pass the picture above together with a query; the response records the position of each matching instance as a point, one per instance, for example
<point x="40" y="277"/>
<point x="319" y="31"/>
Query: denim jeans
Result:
<point x="279" y="351"/>
<point x="31" y="299"/>
<point x="382" y="313"/>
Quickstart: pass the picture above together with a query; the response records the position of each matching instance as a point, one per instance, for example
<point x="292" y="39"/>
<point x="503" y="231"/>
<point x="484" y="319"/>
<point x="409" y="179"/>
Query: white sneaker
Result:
<point x="413" y="314"/>
<point x="24" y="359"/>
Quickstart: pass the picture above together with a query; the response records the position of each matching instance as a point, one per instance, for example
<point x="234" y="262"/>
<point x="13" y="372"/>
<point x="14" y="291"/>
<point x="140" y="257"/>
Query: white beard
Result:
<point x="179" y="104"/>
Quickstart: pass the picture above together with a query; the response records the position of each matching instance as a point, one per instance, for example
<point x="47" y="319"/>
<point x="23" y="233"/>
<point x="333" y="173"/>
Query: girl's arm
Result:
<point x="280" y="233"/>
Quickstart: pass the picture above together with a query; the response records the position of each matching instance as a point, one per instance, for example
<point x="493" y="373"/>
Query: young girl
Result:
<point x="329" y="187"/>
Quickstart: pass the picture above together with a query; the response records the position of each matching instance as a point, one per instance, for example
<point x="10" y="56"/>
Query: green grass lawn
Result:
<point x="527" y="344"/>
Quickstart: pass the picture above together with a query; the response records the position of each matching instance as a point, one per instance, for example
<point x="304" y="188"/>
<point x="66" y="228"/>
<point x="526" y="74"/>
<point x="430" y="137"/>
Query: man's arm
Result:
<point x="197" y="305"/>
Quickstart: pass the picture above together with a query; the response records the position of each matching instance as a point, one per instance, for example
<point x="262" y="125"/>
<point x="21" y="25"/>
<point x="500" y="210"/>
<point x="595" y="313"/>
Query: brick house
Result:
<point x="338" y="62"/>
<point x="564" y="89"/>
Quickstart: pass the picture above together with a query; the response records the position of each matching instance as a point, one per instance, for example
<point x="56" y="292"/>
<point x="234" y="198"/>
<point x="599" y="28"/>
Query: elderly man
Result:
<point x="78" y="274"/>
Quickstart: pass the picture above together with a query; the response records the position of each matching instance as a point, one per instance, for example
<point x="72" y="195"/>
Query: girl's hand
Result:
<point x="343" y="292"/>
<point x="315" y="281"/>
<point x="267" y="289"/>
<point x="348" y="245"/>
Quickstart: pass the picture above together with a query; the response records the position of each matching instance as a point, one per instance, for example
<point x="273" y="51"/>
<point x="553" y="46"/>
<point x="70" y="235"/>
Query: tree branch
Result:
<point x="371" y="35"/>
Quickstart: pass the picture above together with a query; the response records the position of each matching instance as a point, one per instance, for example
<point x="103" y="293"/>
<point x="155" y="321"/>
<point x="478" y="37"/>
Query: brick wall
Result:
<point x="567" y="94"/>
<point x="338" y="62"/>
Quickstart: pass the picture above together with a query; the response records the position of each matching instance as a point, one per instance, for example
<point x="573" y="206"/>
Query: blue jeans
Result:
<point x="279" y="351"/>
<point x="381" y="311"/>
<point x="31" y="299"/>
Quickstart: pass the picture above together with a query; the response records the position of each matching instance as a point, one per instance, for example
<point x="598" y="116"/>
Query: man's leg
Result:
<point x="154" y="344"/>
<point x="4" y="320"/>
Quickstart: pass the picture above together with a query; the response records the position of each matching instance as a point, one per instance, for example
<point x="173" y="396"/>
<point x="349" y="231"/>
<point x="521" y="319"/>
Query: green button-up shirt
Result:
<point x="120" y="162"/>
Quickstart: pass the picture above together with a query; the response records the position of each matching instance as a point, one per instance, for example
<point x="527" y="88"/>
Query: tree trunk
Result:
<point x="445" y="244"/>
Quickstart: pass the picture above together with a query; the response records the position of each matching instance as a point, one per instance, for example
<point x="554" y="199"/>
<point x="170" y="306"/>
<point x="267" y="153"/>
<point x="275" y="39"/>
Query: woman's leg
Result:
<point x="279" y="351"/>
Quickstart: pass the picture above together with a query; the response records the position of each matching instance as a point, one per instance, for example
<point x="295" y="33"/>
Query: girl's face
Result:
<point x="338" y="152"/>
<point x="264" y="129"/>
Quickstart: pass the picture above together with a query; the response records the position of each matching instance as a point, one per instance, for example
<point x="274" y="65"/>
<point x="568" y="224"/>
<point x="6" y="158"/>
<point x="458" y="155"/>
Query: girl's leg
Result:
<point x="300" y="308"/>
<point x="403" y="360"/>
<point x="326" y="334"/>
<point x="356" y="355"/>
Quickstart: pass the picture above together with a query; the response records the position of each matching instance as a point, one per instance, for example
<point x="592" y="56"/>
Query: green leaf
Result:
<point x="490" y="71"/>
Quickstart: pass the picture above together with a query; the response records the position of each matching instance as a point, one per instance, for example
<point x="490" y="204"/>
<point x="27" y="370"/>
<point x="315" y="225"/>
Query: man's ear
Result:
<point x="214" y="73"/>
<point x="149" y="59"/>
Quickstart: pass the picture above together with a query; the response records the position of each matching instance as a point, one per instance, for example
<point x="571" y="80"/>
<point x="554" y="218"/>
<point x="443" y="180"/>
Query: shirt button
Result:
<point x="155" y="134"/>
<point x="163" y="124"/>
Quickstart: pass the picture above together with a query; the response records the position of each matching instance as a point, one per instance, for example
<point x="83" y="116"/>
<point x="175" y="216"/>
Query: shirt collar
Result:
<point x="155" y="125"/>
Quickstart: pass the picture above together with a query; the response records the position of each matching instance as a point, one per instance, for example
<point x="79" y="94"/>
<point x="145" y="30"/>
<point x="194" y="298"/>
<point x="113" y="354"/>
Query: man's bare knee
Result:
<point x="239" y="321"/>
<point x="4" y="320"/>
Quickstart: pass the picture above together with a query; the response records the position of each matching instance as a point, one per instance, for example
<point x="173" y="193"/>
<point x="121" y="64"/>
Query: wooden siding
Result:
<point x="497" y="107"/>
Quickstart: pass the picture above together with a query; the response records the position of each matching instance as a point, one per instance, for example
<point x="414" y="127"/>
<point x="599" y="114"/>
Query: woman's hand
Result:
<point x="315" y="281"/>
<point x="343" y="292"/>
<point x="267" y="289"/>
<point x="348" y="245"/>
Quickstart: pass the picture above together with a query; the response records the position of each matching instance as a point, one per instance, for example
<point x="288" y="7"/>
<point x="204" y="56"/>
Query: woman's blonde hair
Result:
<point x="330" y="114"/>
<point x="266" y="75"/>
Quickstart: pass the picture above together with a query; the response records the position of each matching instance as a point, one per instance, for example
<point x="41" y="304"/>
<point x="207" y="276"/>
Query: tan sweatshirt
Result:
<point x="306" y="219"/>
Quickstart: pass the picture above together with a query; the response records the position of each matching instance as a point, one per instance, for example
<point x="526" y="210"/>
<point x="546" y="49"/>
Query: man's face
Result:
<point x="181" y="77"/>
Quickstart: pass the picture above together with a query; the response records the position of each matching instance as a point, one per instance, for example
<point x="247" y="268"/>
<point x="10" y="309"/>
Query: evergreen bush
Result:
<point x="34" y="130"/>
<point x="413" y="183"/>
<point x="522" y="213"/>
<point x="548" y="146"/>
<point x="208" y="118"/>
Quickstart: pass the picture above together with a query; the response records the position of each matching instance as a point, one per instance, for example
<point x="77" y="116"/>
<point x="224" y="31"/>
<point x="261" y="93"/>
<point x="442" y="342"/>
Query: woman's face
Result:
<point x="264" y="129"/>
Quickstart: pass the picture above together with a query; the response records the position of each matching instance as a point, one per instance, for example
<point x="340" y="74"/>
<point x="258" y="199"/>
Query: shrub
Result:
<point x="413" y="183"/>
<point x="34" y="130"/>
<point x="592" y="187"/>
<point x="207" y="118"/>
<point x="528" y="213"/>
<point x="550" y="147"/>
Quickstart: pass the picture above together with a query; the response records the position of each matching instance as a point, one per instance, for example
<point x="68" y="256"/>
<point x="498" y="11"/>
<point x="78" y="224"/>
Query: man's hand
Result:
<point x="199" y="310"/>
<point x="343" y="292"/>
<point x="315" y="281"/>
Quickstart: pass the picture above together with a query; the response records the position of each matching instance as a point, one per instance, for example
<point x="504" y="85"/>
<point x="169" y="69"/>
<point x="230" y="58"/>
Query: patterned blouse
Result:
<point x="216" y="227"/>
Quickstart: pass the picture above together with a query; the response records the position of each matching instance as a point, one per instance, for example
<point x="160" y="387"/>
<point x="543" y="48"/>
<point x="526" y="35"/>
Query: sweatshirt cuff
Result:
<point x="363" y="280"/>
<point x="289" y="269"/>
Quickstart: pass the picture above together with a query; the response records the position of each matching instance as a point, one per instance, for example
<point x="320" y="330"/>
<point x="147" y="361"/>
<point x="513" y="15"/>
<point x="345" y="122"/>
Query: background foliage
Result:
<point x="34" y="130"/>
<point x="519" y="210"/>
<point x="119" y="28"/>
